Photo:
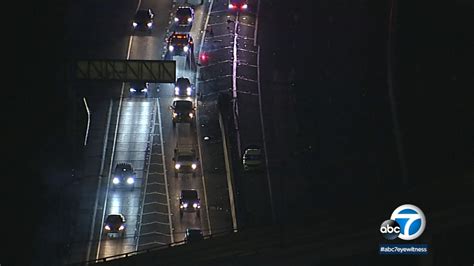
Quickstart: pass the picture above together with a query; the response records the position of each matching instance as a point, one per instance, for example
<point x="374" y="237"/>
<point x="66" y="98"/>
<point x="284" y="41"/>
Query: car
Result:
<point x="252" y="158"/>
<point x="189" y="202"/>
<point x="184" y="16"/>
<point x="183" y="112"/>
<point x="193" y="235"/>
<point x="143" y="19"/>
<point x="238" y="5"/>
<point x="180" y="44"/>
<point x="114" y="225"/>
<point x="183" y="87"/>
<point x="139" y="88"/>
<point x="124" y="175"/>
<point x="185" y="160"/>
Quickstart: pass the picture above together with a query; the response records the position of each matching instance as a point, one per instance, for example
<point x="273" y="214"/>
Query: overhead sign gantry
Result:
<point x="153" y="71"/>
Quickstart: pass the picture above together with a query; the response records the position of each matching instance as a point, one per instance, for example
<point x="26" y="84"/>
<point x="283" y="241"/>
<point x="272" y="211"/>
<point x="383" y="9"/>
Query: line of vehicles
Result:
<point x="186" y="161"/>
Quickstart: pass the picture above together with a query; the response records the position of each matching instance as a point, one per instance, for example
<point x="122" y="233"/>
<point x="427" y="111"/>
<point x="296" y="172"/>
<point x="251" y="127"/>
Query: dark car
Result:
<point x="193" y="235"/>
<point x="114" y="225"/>
<point x="124" y="175"/>
<point x="183" y="112"/>
<point x="183" y="87"/>
<point x="139" y="88"/>
<point x="180" y="43"/>
<point x="184" y="16"/>
<point x="143" y="19"/>
<point x="185" y="160"/>
<point x="238" y="5"/>
<point x="252" y="159"/>
<point x="189" y="202"/>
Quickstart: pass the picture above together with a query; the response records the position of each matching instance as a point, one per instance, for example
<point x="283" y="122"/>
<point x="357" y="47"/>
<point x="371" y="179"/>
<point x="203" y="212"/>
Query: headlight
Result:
<point x="185" y="205"/>
<point x="116" y="180"/>
<point x="176" y="90"/>
<point x="185" y="48"/>
<point x="244" y="6"/>
<point x="134" y="24"/>
<point x="144" y="90"/>
<point x="149" y="24"/>
<point x="175" y="114"/>
<point x="195" y="205"/>
<point x="191" y="115"/>
<point x="130" y="180"/>
<point x="177" y="166"/>
<point x="176" y="19"/>
<point x="190" y="19"/>
<point x="121" y="228"/>
<point x="132" y="90"/>
<point x="107" y="227"/>
<point x="188" y="91"/>
<point x="171" y="48"/>
<point x="194" y="166"/>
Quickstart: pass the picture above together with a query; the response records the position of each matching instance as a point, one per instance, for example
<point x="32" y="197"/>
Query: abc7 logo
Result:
<point x="407" y="223"/>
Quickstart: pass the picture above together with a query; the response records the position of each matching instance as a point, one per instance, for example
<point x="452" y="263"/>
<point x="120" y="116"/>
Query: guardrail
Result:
<point x="147" y="250"/>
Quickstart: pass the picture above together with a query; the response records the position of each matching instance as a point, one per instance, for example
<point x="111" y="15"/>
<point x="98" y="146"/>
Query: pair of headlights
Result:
<point x="191" y="115"/>
<point x="149" y="24"/>
<point x="142" y="90"/>
<point x="178" y="166"/>
<point x="185" y="205"/>
<point x="185" y="48"/>
<point x="189" y="20"/>
<point x="188" y="91"/>
<point x="116" y="180"/>
<point x="107" y="227"/>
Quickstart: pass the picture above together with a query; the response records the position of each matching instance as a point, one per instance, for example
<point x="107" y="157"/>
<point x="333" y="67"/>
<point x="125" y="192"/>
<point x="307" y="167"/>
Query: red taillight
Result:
<point x="231" y="6"/>
<point x="204" y="58"/>
<point x="244" y="6"/>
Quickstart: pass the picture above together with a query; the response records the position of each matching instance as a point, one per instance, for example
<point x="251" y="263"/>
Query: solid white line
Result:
<point x="234" y="84"/>
<point x="146" y="178"/>
<point x="164" y="170"/>
<point x="88" y="120"/>
<point x="202" y="170"/>
<point x="256" y="25"/>
<point x="99" y="185"/>
<point x="130" y="42"/>
<point x="228" y="175"/>
<point x="263" y="134"/>
<point x="197" y="121"/>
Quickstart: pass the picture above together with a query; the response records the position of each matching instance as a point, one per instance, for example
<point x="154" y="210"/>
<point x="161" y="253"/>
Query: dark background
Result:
<point x="344" y="125"/>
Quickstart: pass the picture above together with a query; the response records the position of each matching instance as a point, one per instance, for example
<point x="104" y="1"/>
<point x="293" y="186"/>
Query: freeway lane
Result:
<point x="132" y="142"/>
<point x="135" y="138"/>
<point x="183" y="181"/>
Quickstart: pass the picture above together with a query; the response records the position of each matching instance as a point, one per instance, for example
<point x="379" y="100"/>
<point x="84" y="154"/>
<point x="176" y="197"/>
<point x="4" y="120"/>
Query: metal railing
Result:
<point x="147" y="250"/>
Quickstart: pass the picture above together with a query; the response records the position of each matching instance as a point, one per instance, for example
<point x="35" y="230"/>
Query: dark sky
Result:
<point x="34" y="130"/>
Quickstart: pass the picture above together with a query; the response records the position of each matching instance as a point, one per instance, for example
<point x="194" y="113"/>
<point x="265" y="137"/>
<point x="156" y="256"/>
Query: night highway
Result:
<point x="299" y="133"/>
